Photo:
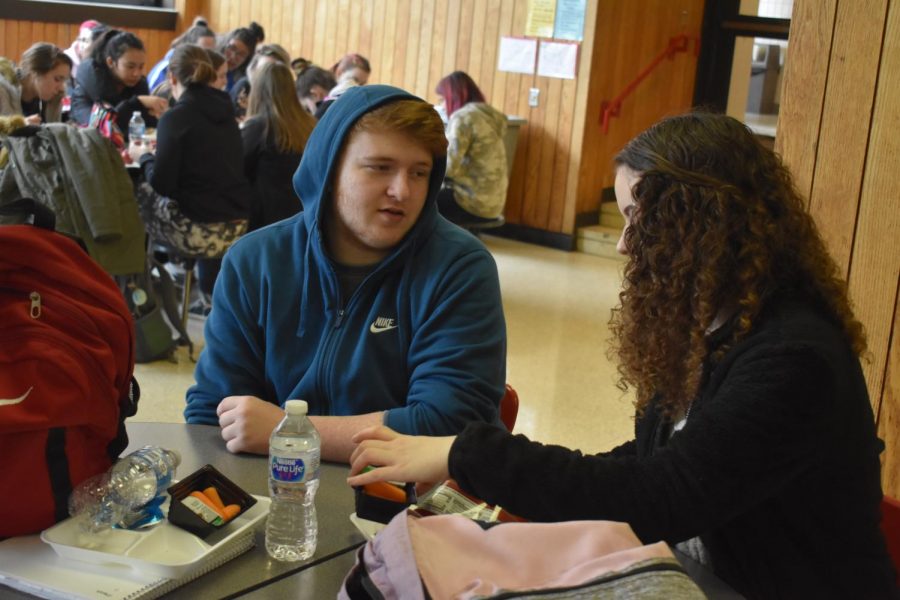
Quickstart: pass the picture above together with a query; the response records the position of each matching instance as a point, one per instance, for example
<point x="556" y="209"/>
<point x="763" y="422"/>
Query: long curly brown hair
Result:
<point x="717" y="226"/>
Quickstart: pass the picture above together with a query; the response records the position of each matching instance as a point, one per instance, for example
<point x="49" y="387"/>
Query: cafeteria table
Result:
<point x="255" y="576"/>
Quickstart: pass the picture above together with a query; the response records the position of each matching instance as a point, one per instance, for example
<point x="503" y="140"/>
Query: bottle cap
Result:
<point x="296" y="407"/>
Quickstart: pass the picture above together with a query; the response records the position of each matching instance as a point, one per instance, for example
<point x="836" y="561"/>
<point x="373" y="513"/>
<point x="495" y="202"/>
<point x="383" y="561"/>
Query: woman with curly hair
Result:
<point x="755" y="449"/>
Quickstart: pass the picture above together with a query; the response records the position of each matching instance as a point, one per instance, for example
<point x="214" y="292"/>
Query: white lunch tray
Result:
<point x="165" y="550"/>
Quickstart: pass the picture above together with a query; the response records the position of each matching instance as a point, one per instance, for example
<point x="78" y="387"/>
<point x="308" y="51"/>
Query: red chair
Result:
<point x="509" y="407"/>
<point x="890" y="525"/>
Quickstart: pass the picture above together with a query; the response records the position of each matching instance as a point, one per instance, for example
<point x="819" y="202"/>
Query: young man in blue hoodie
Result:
<point x="368" y="305"/>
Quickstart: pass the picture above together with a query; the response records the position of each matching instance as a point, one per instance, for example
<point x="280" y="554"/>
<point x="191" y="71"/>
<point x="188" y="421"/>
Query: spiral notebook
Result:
<point x="31" y="566"/>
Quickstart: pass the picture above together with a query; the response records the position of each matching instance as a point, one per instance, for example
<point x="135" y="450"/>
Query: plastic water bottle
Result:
<point x="294" y="451"/>
<point x="136" y="127"/>
<point x="130" y="494"/>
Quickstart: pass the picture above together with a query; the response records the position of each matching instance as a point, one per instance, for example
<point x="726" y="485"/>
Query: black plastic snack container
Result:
<point x="381" y="510"/>
<point x="199" y="480"/>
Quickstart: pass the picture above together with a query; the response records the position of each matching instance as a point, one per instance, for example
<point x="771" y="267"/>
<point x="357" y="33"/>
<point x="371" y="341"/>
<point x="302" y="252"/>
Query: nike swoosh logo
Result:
<point x="376" y="329"/>
<point x="8" y="401"/>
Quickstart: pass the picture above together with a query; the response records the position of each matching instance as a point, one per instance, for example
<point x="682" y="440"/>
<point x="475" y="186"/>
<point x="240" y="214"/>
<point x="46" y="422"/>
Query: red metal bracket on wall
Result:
<point x="677" y="44"/>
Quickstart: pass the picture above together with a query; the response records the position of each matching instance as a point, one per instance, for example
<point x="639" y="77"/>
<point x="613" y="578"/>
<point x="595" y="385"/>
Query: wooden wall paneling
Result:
<point x="451" y="42"/>
<point x="365" y="29"/>
<point x="497" y="96"/>
<point x="307" y="36"/>
<point x="846" y="117"/>
<point x="412" y="34"/>
<point x="344" y="23"/>
<point x="330" y="49"/>
<point x="489" y="51"/>
<point x="536" y="132"/>
<point x="25" y="39"/>
<point x="388" y="48"/>
<point x="291" y="28"/>
<point x="889" y="414"/>
<point x="354" y="23"/>
<point x="9" y="44"/>
<point x="875" y="264"/>
<point x="274" y="21"/>
<point x="318" y="34"/>
<point x="517" y="104"/>
<point x="800" y="112"/>
<point x="378" y="42"/>
<point x="562" y="157"/>
<point x="436" y="48"/>
<point x="476" y="45"/>
<point x="545" y="194"/>
<point x="423" y="85"/>
<point x="248" y="14"/>
<point x="464" y="42"/>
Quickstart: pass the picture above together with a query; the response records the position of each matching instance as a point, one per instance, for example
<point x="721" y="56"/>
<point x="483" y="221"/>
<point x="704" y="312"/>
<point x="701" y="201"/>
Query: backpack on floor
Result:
<point x="66" y="366"/>
<point x="152" y="299"/>
<point x="452" y="556"/>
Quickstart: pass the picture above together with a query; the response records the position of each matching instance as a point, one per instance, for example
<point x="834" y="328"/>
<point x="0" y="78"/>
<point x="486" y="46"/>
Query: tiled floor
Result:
<point x="557" y="307"/>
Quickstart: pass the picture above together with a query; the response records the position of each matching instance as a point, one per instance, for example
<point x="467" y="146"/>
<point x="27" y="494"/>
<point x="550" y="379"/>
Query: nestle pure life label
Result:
<point x="290" y="470"/>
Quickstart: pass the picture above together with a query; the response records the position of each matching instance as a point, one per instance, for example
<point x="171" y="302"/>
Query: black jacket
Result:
<point x="95" y="83"/>
<point x="270" y="172"/>
<point x="776" y="468"/>
<point x="199" y="159"/>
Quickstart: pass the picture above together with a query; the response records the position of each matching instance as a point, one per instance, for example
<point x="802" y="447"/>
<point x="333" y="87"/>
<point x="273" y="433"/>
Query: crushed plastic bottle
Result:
<point x="129" y="495"/>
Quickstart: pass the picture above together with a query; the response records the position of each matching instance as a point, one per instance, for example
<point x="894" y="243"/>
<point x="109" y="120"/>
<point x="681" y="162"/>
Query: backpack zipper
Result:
<point x="35" y="310"/>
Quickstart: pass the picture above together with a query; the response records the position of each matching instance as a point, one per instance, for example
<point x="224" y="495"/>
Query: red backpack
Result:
<point x="66" y="365"/>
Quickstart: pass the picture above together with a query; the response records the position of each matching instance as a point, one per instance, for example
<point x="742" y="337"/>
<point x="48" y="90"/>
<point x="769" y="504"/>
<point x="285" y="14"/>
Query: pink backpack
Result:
<point x="451" y="556"/>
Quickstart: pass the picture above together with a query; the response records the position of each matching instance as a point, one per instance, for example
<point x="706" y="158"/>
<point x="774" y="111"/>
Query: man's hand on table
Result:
<point x="247" y="422"/>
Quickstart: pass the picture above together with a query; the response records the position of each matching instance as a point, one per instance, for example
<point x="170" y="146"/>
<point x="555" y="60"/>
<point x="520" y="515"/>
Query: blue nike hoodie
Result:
<point x="423" y="336"/>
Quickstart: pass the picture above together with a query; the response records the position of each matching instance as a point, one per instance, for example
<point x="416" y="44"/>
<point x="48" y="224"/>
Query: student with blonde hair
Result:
<point x="274" y="135"/>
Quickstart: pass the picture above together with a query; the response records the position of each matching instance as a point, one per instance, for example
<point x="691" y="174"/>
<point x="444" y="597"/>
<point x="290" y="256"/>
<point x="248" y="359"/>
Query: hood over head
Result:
<point x="314" y="176"/>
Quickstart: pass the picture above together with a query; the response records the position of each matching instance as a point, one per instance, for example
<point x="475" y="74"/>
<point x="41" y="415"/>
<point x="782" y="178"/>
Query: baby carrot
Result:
<point x="385" y="490"/>
<point x="213" y="494"/>
<point x="205" y="500"/>
<point x="231" y="511"/>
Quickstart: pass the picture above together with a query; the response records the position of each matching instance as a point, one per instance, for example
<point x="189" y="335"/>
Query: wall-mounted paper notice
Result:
<point x="557" y="60"/>
<point x="569" y="20"/>
<point x="541" y="14"/>
<point x="517" y="55"/>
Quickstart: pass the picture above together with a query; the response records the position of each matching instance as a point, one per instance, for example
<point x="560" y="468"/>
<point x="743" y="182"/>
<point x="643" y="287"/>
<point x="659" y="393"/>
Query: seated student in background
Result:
<point x="114" y="74"/>
<point x="755" y="448"/>
<point x="81" y="45"/>
<point x="240" y="91"/>
<point x="367" y="304"/>
<point x="195" y="197"/>
<point x="238" y="48"/>
<point x="313" y="85"/>
<point x="38" y="85"/>
<point x="352" y="70"/>
<point x="274" y="135"/>
<point x="477" y="172"/>
<point x="198" y="34"/>
<point x="221" y="67"/>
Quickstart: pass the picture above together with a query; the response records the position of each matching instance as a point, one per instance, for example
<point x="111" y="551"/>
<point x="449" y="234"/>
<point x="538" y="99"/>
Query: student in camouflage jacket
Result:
<point x="475" y="184"/>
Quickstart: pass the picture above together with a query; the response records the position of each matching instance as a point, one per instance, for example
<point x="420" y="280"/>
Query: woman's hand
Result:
<point x="398" y="457"/>
<point x="33" y="120"/>
<point x="155" y="105"/>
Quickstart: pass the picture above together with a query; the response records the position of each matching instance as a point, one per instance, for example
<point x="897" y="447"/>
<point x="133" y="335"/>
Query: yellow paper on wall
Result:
<point x="541" y="16"/>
